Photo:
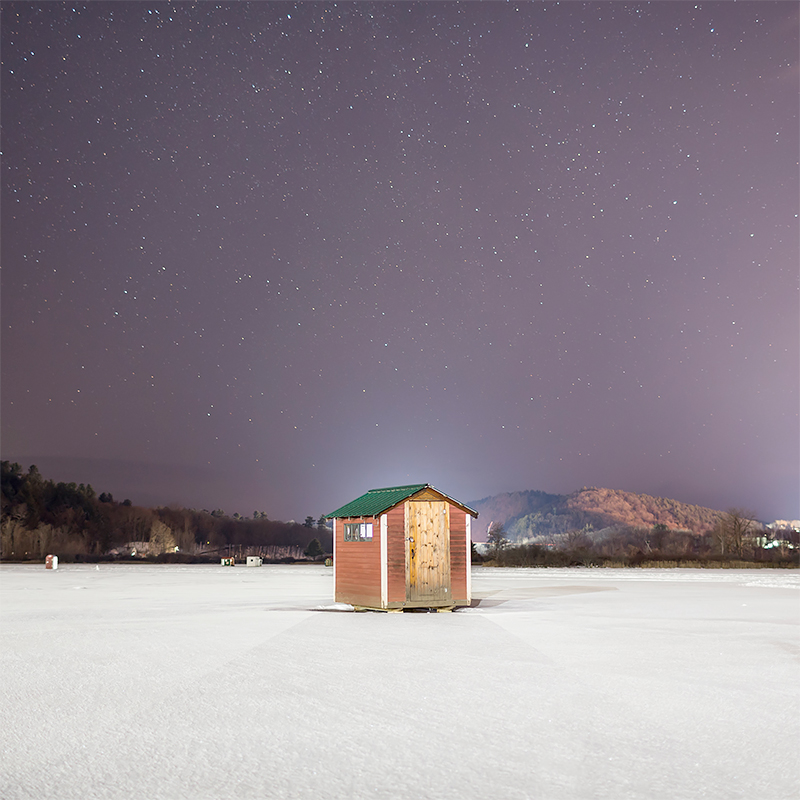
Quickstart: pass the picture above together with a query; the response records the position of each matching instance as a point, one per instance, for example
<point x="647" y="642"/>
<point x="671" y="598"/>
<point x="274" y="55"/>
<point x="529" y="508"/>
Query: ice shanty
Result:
<point x="402" y="547"/>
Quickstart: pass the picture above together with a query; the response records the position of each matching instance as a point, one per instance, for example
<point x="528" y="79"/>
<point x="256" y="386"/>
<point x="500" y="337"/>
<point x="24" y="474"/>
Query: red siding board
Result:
<point x="358" y="566"/>
<point x="396" y="554"/>
<point x="458" y="554"/>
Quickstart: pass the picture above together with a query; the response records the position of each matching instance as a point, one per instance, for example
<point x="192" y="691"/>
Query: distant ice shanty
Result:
<point x="402" y="547"/>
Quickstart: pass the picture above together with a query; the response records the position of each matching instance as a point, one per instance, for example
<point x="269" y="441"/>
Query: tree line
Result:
<point x="70" y="520"/>
<point x="735" y="539"/>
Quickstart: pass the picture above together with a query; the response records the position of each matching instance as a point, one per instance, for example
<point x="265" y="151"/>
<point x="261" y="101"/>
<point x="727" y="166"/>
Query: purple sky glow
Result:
<point x="267" y="256"/>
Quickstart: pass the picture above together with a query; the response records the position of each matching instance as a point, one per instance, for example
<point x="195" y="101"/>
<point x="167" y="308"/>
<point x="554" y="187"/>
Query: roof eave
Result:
<point x="377" y="511"/>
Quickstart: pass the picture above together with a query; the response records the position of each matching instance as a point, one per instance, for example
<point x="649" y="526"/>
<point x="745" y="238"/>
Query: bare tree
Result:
<point x="496" y="537"/>
<point x="579" y="539"/>
<point x="733" y="530"/>
<point x="161" y="538"/>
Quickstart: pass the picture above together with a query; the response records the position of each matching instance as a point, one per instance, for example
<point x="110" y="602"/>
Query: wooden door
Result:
<point x="427" y="532"/>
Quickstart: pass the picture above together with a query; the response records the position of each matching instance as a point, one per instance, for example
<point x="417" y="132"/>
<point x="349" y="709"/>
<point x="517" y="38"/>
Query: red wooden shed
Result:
<point x="402" y="547"/>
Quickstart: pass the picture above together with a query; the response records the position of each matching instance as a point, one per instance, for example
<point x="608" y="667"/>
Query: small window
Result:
<point x="357" y="531"/>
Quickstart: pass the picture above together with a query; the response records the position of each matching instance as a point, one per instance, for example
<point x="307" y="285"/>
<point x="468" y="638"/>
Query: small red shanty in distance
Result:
<point x="402" y="547"/>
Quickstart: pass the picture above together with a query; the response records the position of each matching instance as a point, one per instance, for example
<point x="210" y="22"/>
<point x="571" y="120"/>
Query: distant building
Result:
<point x="783" y="534"/>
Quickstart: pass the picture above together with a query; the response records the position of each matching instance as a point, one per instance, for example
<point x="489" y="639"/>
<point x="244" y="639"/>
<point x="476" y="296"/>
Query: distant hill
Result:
<point x="532" y="515"/>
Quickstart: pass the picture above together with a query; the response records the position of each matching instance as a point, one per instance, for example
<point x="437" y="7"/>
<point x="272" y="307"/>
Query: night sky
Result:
<point x="267" y="256"/>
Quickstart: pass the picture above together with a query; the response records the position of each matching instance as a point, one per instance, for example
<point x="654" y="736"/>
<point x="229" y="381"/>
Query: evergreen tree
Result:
<point x="314" y="549"/>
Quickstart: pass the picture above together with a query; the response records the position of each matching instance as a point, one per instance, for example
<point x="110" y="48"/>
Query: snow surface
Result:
<point x="161" y="681"/>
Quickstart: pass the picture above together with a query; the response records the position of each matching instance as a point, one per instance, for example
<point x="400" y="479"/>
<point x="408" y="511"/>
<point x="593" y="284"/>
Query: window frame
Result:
<point x="358" y="532"/>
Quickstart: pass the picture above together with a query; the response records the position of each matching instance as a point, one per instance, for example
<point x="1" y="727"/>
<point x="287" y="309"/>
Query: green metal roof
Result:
<point x="376" y="501"/>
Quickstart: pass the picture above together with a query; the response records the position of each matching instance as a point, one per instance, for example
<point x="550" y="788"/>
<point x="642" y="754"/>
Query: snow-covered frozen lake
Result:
<point x="153" y="681"/>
